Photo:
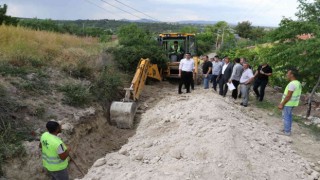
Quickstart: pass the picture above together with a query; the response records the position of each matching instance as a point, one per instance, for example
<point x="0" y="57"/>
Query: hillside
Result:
<point x="50" y="76"/>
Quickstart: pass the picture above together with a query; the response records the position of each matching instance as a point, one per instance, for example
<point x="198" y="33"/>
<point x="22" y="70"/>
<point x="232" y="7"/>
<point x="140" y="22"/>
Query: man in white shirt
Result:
<point x="245" y="82"/>
<point x="186" y="69"/>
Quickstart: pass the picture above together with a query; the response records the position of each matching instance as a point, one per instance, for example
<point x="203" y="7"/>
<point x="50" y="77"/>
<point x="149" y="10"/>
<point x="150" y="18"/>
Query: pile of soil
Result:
<point x="205" y="136"/>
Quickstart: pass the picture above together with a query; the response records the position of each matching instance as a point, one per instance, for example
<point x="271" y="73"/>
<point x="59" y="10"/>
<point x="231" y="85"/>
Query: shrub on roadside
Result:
<point x="77" y="95"/>
<point x="136" y="43"/>
<point x="107" y="86"/>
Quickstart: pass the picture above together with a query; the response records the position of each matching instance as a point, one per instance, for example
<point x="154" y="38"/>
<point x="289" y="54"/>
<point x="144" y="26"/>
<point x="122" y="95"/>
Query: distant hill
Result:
<point x="201" y="22"/>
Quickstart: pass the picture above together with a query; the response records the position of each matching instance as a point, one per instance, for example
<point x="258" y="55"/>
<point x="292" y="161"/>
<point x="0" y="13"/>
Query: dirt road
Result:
<point x="204" y="136"/>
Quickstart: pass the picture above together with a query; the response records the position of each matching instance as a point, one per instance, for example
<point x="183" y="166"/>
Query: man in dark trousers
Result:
<point x="262" y="78"/>
<point x="54" y="152"/>
<point x="206" y="71"/>
<point x="235" y="77"/>
<point x="224" y="76"/>
<point x="186" y="70"/>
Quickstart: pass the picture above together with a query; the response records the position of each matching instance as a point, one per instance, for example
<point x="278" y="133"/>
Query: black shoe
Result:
<point x="241" y="104"/>
<point x="188" y="92"/>
<point x="245" y="105"/>
<point x="180" y="92"/>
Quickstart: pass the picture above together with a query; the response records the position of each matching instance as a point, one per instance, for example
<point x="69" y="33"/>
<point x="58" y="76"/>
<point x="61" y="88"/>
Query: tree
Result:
<point x="257" y="33"/>
<point x="136" y="43"/>
<point x="244" y="29"/>
<point x="8" y="20"/>
<point x="189" y="29"/>
<point x="309" y="11"/>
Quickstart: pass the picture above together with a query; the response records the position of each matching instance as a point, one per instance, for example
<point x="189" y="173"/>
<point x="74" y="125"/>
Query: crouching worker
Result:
<point x="54" y="152"/>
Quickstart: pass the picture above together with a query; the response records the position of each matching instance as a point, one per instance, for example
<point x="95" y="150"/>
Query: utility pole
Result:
<point x="222" y="36"/>
<point x="217" y="41"/>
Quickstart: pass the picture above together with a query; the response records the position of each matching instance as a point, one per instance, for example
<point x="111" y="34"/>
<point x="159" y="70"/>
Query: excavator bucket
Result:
<point x="122" y="114"/>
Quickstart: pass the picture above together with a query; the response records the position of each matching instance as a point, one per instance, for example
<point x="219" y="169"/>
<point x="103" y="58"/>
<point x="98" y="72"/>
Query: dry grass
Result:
<point x="18" y="43"/>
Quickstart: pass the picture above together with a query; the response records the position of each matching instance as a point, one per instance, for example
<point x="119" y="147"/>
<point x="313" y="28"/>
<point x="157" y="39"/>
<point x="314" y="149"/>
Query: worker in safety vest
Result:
<point x="177" y="50"/>
<point x="54" y="152"/>
<point x="290" y="99"/>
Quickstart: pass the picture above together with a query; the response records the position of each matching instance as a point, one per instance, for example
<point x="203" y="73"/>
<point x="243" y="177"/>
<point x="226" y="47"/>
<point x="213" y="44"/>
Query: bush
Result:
<point x="107" y="85"/>
<point x="136" y="43"/>
<point x="76" y="95"/>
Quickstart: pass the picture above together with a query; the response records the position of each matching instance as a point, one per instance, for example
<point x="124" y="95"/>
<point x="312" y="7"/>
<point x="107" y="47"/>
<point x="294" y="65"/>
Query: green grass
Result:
<point x="273" y="108"/>
<point x="12" y="130"/>
<point x="77" y="95"/>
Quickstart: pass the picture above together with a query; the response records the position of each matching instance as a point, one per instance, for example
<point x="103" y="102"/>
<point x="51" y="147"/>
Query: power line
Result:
<point x="103" y="8"/>
<point x="136" y="10"/>
<point x="121" y="9"/>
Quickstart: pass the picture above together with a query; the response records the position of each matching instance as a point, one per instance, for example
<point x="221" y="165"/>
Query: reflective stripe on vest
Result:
<point x="295" y="98"/>
<point x="50" y="157"/>
<point x="178" y="49"/>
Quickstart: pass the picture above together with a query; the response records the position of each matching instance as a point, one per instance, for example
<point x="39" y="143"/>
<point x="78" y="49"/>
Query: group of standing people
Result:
<point x="224" y="72"/>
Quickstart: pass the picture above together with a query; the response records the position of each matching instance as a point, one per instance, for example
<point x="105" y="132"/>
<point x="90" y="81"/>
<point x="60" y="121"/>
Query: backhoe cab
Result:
<point x="175" y="45"/>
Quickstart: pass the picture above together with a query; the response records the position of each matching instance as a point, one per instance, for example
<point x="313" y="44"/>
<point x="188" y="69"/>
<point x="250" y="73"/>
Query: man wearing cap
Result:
<point x="54" y="152"/>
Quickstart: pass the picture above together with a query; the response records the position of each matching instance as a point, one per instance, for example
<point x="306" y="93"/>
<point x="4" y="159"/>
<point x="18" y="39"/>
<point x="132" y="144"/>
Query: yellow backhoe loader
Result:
<point x="122" y="112"/>
<point x="184" y="42"/>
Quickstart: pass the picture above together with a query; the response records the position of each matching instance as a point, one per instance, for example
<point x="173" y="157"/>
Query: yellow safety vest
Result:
<point x="50" y="158"/>
<point x="178" y="49"/>
<point x="294" y="101"/>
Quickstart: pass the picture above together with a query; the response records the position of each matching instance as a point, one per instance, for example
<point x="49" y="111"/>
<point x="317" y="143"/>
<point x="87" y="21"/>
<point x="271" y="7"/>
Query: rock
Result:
<point x="312" y="165"/>
<point x="155" y="159"/>
<point x="271" y="114"/>
<point x="68" y="128"/>
<point x="303" y="135"/>
<point x="317" y="168"/>
<point x="275" y="139"/>
<point x="148" y="145"/>
<point x="318" y="162"/>
<point x="31" y="76"/>
<point x="307" y="123"/>
<point x="220" y="165"/>
<point x="176" y="154"/>
<point x="123" y="152"/>
<point x="139" y="112"/>
<point x="84" y="113"/>
<point x="138" y="156"/>
<point x="309" y="171"/>
<point x="145" y="105"/>
<point x="99" y="162"/>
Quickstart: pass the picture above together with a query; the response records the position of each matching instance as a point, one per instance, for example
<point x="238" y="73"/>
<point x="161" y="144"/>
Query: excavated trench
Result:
<point x="89" y="135"/>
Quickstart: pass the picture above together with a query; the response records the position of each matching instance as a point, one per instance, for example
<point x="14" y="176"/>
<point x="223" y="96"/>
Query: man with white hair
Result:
<point x="245" y="83"/>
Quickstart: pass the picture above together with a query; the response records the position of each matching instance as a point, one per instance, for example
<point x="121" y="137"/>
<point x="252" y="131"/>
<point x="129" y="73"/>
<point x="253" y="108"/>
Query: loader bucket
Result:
<point x="122" y="114"/>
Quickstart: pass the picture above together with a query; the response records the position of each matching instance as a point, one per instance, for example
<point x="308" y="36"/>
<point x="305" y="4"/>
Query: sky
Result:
<point x="258" y="12"/>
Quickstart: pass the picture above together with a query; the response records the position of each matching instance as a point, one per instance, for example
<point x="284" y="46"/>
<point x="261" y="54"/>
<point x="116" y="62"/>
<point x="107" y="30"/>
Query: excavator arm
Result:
<point x="122" y="112"/>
